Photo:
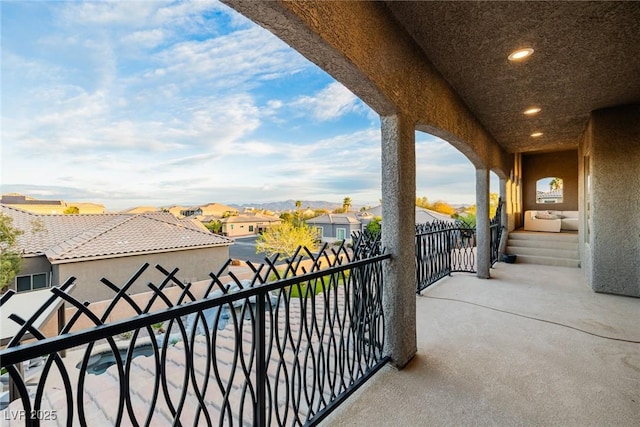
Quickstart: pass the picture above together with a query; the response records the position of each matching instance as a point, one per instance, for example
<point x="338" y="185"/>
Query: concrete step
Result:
<point x="542" y="244"/>
<point x="557" y="249"/>
<point x="541" y="236"/>
<point x="554" y="252"/>
<point x="542" y="260"/>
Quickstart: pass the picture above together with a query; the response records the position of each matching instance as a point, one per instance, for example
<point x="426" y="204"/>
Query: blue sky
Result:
<point x="159" y="103"/>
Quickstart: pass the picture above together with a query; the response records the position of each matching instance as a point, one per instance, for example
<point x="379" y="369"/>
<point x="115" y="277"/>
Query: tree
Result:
<point x="346" y="204"/>
<point x="286" y="216"/>
<point x="494" y="199"/>
<point x="214" y="226"/>
<point x="443" y="207"/>
<point x="555" y="184"/>
<point x="9" y="256"/>
<point x="284" y="238"/>
<point x="71" y="210"/>
<point x="375" y="226"/>
<point x="423" y="202"/>
<point x="298" y="213"/>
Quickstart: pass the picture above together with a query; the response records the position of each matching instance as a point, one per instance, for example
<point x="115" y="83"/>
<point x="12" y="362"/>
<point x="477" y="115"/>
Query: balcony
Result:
<point x="534" y="345"/>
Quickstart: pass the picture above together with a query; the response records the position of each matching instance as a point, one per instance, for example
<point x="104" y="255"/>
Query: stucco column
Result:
<point x="483" y="235"/>
<point x="614" y="192"/>
<point x="398" y="237"/>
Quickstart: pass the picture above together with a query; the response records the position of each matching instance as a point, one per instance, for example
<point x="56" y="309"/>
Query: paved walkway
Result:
<point x="533" y="346"/>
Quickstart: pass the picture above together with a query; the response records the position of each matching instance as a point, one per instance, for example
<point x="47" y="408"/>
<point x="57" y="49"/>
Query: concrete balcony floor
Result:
<point x="519" y="349"/>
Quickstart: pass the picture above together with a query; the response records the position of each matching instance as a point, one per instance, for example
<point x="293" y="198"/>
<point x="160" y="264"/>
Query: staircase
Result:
<point x="534" y="247"/>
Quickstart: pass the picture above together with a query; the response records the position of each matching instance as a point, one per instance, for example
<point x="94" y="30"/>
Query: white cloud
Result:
<point x="145" y="38"/>
<point x="125" y="103"/>
<point x="130" y="13"/>
<point x="330" y="103"/>
<point x="234" y="61"/>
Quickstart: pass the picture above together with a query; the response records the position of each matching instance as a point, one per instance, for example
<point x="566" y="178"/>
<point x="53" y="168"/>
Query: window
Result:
<point x="251" y="228"/>
<point x="31" y="282"/>
<point x="549" y="190"/>
<point x="341" y="233"/>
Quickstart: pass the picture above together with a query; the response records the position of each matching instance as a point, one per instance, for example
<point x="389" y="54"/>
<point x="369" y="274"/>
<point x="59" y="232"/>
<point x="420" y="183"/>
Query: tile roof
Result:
<point x="553" y="194"/>
<point x="250" y="218"/>
<point x="423" y="215"/>
<point x="74" y="237"/>
<point x="343" y="218"/>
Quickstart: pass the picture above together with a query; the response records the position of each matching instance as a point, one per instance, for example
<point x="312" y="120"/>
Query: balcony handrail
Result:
<point x="313" y="359"/>
<point x="13" y="355"/>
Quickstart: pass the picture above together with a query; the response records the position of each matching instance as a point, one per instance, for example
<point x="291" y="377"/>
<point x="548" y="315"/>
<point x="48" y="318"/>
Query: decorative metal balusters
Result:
<point x="283" y="347"/>
<point x="495" y="228"/>
<point x="443" y="248"/>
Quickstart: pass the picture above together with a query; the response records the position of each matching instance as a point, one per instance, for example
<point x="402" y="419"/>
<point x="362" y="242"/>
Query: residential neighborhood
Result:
<point x="89" y="247"/>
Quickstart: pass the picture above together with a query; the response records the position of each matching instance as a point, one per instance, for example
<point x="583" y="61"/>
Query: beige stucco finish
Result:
<point x="561" y="164"/>
<point x="194" y="265"/>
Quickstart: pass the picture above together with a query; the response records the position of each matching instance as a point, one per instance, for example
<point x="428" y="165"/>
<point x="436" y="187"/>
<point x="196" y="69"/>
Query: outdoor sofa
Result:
<point x="551" y="221"/>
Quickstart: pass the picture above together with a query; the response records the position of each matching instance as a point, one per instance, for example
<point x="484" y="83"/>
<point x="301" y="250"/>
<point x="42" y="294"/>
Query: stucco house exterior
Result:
<point x="247" y="224"/>
<point x="54" y="207"/>
<point x="336" y="227"/>
<point x="218" y="210"/>
<point x="90" y="247"/>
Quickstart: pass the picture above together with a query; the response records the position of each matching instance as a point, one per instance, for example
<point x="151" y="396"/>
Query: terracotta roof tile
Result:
<point x="67" y="237"/>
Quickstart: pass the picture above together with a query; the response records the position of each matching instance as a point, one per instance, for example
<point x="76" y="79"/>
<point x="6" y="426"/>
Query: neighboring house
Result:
<point x="115" y="246"/>
<point x="175" y="210"/>
<point x="422" y="215"/>
<point x="192" y="211"/>
<point x="247" y="224"/>
<point x="141" y="209"/>
<point x="54" y="207"/>
<point x="552" y="196"/>
<point x="336" y="227"/>
<point x="218" y="210"/>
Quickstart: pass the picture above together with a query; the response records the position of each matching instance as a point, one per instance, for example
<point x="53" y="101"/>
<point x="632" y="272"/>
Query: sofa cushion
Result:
<point x="548" y="215"/>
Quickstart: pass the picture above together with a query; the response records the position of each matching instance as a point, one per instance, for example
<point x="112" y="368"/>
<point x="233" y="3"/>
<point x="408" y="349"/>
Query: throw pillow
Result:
<point x="546" y="215"/>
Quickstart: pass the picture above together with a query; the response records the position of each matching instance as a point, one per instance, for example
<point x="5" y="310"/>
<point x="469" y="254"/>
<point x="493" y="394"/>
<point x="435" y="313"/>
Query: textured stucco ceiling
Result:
<point x="587" y="57"/>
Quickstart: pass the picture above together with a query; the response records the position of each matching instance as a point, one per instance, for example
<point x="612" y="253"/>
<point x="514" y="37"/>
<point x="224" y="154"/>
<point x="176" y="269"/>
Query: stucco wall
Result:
<point x="561" y="164"/>
<point x="33" y="265"/>
<point x="193" y="264"/>
<point x="615" y="200"/>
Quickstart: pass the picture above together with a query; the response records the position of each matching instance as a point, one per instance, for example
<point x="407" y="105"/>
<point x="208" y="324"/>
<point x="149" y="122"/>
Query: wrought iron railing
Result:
<point x="495" y="229"/>
<point x="282" y="348"/>
<point x="443" y="248"/>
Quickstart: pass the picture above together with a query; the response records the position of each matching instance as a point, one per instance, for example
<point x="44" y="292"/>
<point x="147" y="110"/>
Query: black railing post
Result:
<point x="261" y="360"/>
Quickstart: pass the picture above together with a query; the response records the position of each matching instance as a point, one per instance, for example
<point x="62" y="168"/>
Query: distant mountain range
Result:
<point x="291" y="205"/>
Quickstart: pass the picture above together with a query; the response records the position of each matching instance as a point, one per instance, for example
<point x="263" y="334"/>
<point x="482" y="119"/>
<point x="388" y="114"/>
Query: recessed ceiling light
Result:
<point x="520" y="54"/>
<point x="536" y="134"/>
<point x="531" y="111"/>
